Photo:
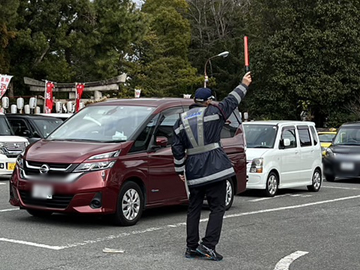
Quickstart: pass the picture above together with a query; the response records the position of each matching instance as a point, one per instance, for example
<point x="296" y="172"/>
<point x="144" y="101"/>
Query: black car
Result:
<point x="31" y="126"/>
<point x="342" y="158"/>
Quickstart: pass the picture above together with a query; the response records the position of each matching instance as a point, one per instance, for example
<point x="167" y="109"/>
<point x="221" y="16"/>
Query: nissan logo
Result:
<point x="44" y="168"/>
<point x="16" y="145"/>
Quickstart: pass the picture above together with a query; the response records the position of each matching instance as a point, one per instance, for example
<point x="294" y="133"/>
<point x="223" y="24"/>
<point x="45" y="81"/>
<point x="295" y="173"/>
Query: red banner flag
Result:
<point x="4" y="83"/>
<point x="49" y="97"/>
<point x="79" y="90"/>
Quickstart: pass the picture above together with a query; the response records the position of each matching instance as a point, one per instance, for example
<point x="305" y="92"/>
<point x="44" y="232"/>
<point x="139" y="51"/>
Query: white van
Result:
<point x="282" y="154"/>
<point x="10" y="147"/>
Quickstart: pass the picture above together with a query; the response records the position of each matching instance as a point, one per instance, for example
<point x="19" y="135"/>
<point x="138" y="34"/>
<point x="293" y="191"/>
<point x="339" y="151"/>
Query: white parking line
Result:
<point x="284" y="263"/>
<point x="30" y="243"/>
<point x="8" y="210"/>
<point x="280" y="196"/>
<point x="111" y="237"/>
<point x="348" y="188"/>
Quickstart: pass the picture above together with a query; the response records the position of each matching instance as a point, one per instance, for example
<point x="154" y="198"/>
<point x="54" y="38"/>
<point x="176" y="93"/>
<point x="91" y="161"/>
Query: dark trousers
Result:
<point x="215" y="195"/>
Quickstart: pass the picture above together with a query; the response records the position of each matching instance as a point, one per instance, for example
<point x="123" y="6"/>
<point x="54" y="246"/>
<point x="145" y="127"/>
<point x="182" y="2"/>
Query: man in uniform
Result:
<point x="198" y="154"/>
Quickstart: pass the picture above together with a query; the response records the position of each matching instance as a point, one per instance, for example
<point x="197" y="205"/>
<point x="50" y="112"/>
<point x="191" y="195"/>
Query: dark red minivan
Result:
<point x="114" y="158"/>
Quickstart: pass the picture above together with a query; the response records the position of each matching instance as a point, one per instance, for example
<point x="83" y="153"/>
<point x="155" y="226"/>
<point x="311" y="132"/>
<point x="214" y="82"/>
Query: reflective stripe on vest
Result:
<point x="198" y="146"/>
<point x="202" y="149"/>
<point x="199" y="114"/>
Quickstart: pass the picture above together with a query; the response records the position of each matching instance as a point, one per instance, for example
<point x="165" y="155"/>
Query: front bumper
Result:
<point x="76" y="197"/>
<point x="7" y="166"/>
<point x="341" y="167"/>
<point x="256" y="181"/>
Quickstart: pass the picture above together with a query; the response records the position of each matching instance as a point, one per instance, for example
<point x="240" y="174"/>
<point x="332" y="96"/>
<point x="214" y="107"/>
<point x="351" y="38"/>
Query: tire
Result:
<point x="272" y="185"/>
<point x="230" y="193"/>
<point x="316" y="181"/>
<point x="130" y="205"/>
<point x="39" y="213"/>
<point x="330" y="178"/>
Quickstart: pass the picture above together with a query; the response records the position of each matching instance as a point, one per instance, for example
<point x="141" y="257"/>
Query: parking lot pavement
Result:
<point x="296" y="229"/>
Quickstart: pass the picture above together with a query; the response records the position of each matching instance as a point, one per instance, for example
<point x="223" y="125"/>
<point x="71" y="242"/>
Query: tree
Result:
<point x="305" y="51"/>
<point x="161" y="66"/>
<point x="82" y="40"/>
<point x="8" y="16"/>
<point x="219" y="26"/>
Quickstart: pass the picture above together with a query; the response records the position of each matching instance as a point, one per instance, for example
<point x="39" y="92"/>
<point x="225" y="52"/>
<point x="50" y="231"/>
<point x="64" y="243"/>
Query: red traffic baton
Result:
<point x="246" y="54"/>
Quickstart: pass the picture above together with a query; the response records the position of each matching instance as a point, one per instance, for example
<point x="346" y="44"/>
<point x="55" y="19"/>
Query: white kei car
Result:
<point x="10" y="147"/>
<point x="282" y="154"/>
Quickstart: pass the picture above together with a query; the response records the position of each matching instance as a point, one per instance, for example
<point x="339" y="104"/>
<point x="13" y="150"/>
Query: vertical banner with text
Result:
<point x="79" y="91"/>
<point x="49" y="96"/>
<point x="4" y="83"/>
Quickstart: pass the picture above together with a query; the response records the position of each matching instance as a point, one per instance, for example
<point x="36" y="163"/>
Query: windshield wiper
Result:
<point x="113" y="141"/>
<point x="75" y="140"/>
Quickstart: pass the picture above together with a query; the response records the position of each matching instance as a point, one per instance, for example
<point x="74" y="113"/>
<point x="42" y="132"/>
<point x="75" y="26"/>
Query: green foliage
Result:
<point x="8" y="18"/>
<point x="305" y="50"/>
<point x="162" y="67"/>
<point x="68" y="40"/>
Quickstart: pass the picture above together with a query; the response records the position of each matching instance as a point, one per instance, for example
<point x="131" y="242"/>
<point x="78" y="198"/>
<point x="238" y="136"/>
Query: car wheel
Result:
<point x="39" y="213"/>
<point x="316" y="181"/>
<point x="330" y="178"/>
<point x="130" y="205"/>
<point x="230" y="193"/>
<point x="272" y="184"/>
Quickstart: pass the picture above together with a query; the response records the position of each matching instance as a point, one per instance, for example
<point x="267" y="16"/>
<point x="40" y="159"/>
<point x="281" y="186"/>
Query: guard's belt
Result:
<point x="202" y="149"/>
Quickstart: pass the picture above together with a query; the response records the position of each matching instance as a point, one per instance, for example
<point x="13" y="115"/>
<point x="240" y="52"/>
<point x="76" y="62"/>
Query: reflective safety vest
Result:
<point x="197" y="143"/>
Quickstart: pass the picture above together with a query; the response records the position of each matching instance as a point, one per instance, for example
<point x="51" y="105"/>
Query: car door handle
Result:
<point x="296" y="152"/>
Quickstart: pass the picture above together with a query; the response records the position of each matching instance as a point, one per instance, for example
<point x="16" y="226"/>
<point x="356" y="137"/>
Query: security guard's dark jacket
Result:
<point x="196" y="147"/>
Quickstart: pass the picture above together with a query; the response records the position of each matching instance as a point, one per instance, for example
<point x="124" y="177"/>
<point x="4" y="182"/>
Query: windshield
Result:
<point x="5" y="129"/>
<point x="102" y="124"/>
<point x="46" y="126"/>
<point x="260" y="136"/>
<point x="326" y="137"/>
<point x="348" y="136"/>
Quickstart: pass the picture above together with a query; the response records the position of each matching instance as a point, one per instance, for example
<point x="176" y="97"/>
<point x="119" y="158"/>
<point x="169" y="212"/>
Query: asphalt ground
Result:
<point x="297" y="230"/>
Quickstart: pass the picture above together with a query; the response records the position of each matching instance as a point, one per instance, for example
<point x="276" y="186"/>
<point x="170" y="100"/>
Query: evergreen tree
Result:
<point x="161" y="67"/>
<point x="8" y="16"/>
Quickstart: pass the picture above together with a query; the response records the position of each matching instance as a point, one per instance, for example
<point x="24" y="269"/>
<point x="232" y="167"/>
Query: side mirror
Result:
<point x="27" y="133"/>
<point x="161" y="141"/>
<point x="286" y="142"/>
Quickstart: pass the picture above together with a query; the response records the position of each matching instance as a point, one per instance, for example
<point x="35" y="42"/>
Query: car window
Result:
<point x="231" y="125"/>
<point x="5" y="128"/>
<point x="46" y="126"/>
<point x="348" y="135"/>
<point x="18" y="126"/>
<point x="260" y="136"/>
<point x="327" y="138"/>
<point x="165" y="127"/>
<point x="314" y="135"/>
<point x="104" y="123"/>
<point x="304" y="136"/>
<point x="288" y="133"/>
<point x="143" y="139"/>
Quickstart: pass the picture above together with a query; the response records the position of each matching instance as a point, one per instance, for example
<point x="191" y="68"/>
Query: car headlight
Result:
<point x="2" y="148"/>
<point x="329" y="153"/>
<point x="94" y="166"/>
<point x="100" y="165"/>
<point x="20" y="161"/>
<point x="257" y="165"/>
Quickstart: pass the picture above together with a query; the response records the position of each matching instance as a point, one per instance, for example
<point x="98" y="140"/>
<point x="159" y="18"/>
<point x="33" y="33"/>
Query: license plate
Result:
<point x="42" y="191"/>
<point x="347" y="166"/>
<point x="11" y="166"/>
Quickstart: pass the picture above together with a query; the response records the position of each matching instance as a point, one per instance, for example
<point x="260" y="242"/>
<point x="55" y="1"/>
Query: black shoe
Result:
<point x="209" y="253"/>
<point x="192" y="253"/>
